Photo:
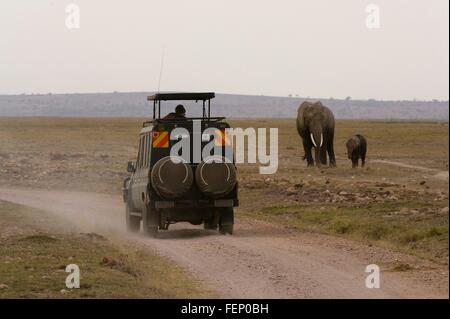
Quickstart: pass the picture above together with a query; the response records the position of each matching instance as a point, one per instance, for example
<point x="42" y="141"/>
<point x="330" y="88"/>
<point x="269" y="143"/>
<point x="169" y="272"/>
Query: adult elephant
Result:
<point x="315" y="124"/>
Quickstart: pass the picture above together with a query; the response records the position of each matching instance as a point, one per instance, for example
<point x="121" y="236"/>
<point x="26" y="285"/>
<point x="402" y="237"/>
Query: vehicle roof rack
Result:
<point x="188" y="119"/>
<point x="203" y="96"/>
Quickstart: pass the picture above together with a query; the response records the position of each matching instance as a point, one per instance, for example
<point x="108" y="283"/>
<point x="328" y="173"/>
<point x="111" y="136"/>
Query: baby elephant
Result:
<point x="357" y="148"/>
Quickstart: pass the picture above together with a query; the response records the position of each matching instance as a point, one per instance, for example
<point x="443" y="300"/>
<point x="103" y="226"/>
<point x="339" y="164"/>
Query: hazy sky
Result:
<point x="317" y="48"/>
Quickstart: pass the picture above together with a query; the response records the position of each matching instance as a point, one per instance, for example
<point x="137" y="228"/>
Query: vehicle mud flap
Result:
<point x="226" y="221"/>
<point x="150" y="220"/>
<point x="213" y="221"/>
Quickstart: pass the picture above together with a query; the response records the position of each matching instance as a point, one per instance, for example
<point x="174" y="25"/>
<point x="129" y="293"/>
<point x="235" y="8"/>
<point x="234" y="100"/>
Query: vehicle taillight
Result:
<point x="222" y="137"/>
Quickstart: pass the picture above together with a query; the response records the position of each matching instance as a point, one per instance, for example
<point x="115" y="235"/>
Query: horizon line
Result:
<point x="291" y="96"/>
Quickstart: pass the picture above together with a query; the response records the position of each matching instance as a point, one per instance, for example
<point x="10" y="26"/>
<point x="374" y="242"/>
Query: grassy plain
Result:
<point x="399" y="200"/>
<point x="36" y="247"/>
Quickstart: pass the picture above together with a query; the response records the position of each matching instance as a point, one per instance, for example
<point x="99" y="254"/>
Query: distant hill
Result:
<point x="237" y="106"/>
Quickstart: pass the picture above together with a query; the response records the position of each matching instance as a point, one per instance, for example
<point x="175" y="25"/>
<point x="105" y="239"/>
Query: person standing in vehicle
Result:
<point x="180" y="113"/>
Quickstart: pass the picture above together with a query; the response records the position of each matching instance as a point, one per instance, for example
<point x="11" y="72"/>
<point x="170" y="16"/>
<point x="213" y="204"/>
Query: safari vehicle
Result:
<point x="167" y="186"/>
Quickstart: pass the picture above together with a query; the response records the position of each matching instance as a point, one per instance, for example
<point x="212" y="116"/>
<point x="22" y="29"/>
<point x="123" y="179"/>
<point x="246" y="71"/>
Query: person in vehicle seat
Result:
<point x="180" y="113"/>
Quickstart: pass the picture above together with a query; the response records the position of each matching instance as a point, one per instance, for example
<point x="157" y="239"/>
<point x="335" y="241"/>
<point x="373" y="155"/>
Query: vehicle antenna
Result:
<point x="161" y="67"/>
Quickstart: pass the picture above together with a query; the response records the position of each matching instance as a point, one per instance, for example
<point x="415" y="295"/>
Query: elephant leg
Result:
<point x="363" y="159"/>
<point x="363" y="152"/>
<point x="323" y="156"/>
<point x="330" y="150"/>
<point x="317" y="156"/>
<point x="354" y="163"/>
<point x="308" y="153"/>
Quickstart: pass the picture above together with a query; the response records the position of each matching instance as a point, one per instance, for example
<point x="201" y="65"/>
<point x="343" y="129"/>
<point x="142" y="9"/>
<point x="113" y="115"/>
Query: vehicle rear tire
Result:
<point x="209" y="226"/>
<point x="212" y="221"/>
<point x="133" y="222"/>
<point x="226" y="221"/>
<point x="150" y="221"/>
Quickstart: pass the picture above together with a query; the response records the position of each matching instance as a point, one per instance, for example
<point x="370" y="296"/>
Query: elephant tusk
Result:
<point x="321" y="140"/>
<point x="312" y="138"/>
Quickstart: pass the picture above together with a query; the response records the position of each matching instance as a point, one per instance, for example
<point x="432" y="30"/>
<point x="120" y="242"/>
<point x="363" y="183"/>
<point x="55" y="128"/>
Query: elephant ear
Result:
<point x="301" y="115"/>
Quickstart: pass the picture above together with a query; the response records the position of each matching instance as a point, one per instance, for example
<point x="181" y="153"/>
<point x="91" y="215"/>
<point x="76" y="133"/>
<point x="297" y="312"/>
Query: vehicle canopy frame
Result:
<point x="205" y="97"/>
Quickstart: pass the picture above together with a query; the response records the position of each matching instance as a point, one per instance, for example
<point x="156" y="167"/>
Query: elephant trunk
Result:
<point x="317" y="139"/>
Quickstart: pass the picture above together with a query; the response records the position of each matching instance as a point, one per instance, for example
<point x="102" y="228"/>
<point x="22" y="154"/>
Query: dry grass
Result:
<point x="383" y="204"/>
<point x="34" y="253"/>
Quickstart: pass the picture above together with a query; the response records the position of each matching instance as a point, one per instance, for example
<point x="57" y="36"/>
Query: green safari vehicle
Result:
<point x="170" y="183"/>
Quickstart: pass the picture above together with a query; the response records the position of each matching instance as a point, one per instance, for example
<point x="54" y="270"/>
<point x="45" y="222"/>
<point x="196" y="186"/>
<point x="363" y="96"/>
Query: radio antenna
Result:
<point x="161" y="67"/>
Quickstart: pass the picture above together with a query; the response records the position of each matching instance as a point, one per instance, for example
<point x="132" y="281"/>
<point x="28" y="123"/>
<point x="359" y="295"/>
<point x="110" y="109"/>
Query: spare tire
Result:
<point x="171" y="179"/>
<point x="215" y="177"/>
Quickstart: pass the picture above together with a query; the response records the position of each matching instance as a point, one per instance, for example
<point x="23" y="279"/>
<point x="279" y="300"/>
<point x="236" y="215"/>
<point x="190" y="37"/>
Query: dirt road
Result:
<point x="438" y="174"/>
<point x="261" y="260"/>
